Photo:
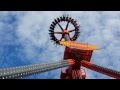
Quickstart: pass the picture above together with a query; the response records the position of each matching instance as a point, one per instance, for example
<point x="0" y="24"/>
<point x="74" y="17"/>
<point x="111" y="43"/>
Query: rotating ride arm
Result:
<point x="104" y="70"/>
<point x="21" y="71"/>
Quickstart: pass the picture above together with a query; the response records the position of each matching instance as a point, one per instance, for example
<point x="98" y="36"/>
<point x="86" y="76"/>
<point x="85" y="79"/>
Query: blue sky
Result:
<point x="24" y="39"/>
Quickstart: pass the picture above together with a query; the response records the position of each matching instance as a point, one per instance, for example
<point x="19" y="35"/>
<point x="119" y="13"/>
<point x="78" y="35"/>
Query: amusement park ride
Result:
<point x="75" y="55"/>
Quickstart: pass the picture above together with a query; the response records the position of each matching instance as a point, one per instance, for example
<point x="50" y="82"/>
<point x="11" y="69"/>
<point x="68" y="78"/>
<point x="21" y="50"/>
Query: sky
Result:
<point x="24" y="39"/>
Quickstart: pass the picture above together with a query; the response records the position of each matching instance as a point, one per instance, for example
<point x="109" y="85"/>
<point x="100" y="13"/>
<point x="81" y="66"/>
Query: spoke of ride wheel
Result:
<point x="67" y="26"/>
<point x="71" y="30"/>
<point x="61" y="38"/>
<point x="57" y="32"/>
<point x="69" y="36"/>
<point x="60" y="26"/>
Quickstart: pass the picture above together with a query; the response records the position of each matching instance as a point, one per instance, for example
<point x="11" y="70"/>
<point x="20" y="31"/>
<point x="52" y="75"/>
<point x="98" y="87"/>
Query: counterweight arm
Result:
<point x="104" y="70"/>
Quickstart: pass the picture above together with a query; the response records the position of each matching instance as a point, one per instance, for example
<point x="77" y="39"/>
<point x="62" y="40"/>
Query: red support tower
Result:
<point x="78" y="55"/>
